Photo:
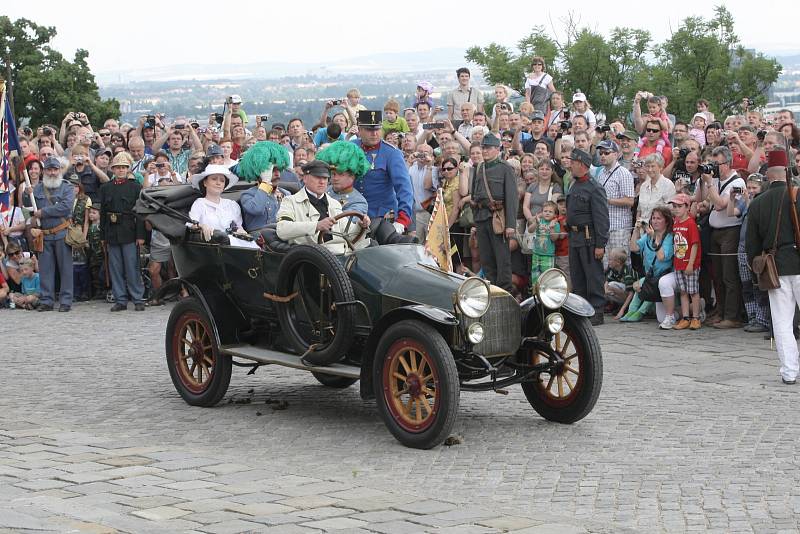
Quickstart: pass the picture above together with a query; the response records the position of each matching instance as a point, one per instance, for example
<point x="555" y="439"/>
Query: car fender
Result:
<point x="440" y="319"/>
<point x="531" y="322"/>
<point x="216" y="304"/>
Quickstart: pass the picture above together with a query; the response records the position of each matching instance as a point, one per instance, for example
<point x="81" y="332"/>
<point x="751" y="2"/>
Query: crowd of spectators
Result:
<point x="677" y="188"/>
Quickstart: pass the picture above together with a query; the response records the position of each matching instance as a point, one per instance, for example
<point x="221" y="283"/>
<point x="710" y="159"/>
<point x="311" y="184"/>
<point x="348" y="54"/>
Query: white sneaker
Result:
<point x="667" y="323"/>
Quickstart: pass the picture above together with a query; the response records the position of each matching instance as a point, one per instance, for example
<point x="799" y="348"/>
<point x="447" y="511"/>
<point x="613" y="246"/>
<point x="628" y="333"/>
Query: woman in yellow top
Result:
<point x="450" y="178"/>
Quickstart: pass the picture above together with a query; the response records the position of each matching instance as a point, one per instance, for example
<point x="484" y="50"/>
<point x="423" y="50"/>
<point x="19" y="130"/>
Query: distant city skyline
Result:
<point x="159" y="34"/>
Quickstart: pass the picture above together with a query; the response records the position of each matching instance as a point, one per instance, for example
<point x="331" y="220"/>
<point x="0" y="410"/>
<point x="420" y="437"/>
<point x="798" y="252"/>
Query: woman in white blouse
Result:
<point x="212" y="212"/>
<point x="656" y="190"/>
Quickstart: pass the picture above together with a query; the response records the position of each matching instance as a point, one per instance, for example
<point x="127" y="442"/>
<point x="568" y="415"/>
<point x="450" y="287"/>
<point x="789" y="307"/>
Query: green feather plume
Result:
<point x="346" y="157"/>
<point x="261" y="157"/>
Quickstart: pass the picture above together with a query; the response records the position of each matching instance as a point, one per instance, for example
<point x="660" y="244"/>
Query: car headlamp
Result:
<point x="475" y="333"/>
<point x="552" y="288"/>
<point x="472" y="297"/>
<point x="554" y="322"/>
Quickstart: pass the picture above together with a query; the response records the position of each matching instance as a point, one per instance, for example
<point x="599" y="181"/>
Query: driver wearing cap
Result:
<point x="310" y="212"/>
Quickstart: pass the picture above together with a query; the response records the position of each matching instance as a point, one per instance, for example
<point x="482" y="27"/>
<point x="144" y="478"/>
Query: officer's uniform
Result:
<point x="56" y="207"/>
<point x="351" y="200"/>
<point x="587" y="223"/>
<point x="760" y="236"/>
<point x="387" y="185"/>
<point x="494" y="252"/>
<point x="299" y="214"/>
<point x="120" y="228"/>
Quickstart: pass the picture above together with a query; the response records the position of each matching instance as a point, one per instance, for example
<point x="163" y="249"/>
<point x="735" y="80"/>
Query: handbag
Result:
<point x="466" y="218"/>
<point x="497" y="208"/>
<point x="526" y="244"/>
<point x="75" y="237"/>
<point x="764" y="266"/>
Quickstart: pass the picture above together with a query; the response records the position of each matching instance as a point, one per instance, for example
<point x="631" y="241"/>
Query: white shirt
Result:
<point x="417" y="174"/>
<point x="219" y="217"/>
<point x="719" y="218"/>
<point x="651" y="195"/>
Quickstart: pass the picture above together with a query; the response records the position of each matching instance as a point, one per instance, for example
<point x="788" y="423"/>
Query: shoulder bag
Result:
<point x="498" y="209"/>
<point x="648" y="291"/>
<point x="764" y="266"/>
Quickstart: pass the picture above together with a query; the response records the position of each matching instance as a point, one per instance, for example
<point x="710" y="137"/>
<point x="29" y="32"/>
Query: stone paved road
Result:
<point x="693" y="432"/>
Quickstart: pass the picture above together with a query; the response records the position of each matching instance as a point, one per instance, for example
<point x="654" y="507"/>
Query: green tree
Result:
<point x="46" y="85"/>
<point x="703" y="59"/>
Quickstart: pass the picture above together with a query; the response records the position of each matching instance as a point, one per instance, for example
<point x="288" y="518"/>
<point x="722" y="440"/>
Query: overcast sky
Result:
<point x="136" y="34"/>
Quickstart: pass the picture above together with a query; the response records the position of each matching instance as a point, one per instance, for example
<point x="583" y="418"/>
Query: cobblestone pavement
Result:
<point x="693" y="432"/>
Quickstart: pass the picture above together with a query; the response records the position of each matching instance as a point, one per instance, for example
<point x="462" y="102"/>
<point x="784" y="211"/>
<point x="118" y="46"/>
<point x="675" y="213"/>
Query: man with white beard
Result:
<point x="54" y="199"/>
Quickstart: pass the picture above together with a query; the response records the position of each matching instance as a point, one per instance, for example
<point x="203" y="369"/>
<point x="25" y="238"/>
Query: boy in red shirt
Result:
<point x="686" y="261"/>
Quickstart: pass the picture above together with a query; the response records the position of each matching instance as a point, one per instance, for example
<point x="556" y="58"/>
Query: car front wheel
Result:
<point x="416" y="384"/>
<point x="569" y="391"/>
<point x="199" y="372"/>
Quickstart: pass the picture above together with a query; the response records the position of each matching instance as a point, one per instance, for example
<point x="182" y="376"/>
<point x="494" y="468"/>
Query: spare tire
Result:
<point x="299" y="273"/>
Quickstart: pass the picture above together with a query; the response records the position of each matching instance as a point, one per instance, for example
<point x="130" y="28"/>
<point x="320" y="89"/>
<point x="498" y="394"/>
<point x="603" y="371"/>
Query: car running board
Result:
<point x="267" y="356"/>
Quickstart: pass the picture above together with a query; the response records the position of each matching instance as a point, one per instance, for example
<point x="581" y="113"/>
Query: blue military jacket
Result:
<point x="259" y="208"/>
<point x="56" y="205"/>
<point x="387" y="186"/>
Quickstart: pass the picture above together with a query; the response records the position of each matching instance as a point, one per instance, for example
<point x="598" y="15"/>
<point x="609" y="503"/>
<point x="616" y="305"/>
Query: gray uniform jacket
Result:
<point x="503" y="184"/>
<point x="54" y="213"/>
<point x="587" y="210"/>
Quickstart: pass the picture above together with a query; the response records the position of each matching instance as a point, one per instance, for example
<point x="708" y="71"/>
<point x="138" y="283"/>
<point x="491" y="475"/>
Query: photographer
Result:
<point x="177" y="154"/>
<point x="684" y="171"/>
<point x="537" y="134"/>
<point x="422" y="183"/>
<point x="71" y="122"/>
<point x="718" y="179"/>
<point x="87" y="172"/>
<point x="766" y="143"/>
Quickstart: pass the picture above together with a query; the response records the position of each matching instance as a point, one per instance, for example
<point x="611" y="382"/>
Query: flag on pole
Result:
<point x="8" y="143"/>
<point x="437" y="244"/>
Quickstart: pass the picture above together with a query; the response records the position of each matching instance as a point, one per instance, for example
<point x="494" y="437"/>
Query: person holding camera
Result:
<point x="718" y="179"/>
<point x="90" y="176"/>
<point x="424" y="186"/>
<point x="176" y="153"/>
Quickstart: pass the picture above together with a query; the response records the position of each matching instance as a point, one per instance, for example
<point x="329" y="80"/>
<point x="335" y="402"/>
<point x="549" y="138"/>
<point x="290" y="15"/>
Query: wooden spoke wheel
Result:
<point x="201" y="375"/>
<point x="416" y="384"/>
<point x="568" y="391"/>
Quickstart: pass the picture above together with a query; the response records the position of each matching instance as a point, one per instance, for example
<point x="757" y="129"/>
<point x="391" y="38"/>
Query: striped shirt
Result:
<point x="618" y="183"/>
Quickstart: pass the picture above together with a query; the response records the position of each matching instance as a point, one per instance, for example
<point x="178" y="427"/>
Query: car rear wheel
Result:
<point x="201" y="374"/>
<point x="416" y="384"/>
<point x="333" y="381"/>
<point x="569" y="391"/>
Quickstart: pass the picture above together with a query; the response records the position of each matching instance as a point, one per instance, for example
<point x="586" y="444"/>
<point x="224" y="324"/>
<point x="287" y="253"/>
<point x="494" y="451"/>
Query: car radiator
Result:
<point x="501" y="326"/>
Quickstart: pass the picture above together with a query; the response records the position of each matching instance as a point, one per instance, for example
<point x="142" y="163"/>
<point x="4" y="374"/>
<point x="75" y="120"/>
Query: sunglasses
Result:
<point x="654" y="130"/>
<point x="105" y="134"/>
<point x="448" y="168"/>
<point x="604" y="152"/>
<point x="17" y="253"/>
<point x="755" y="178"/>
<point x="538" y="63"/>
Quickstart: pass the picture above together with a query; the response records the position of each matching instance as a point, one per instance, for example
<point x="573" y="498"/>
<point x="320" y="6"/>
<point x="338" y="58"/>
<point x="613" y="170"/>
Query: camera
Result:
<point x="749" y="102"/>
<point x="761" y="134"/>
<point x="336" y="102"/>
<point x="179" y="126"/>
<point x="195" y="125"/>
<point x="683" y="178"/>
<point x="265" y="118"/>
<point x="78" y="159"/>
<point x="708" y="168"/>
<point x="566" y="114"/>
<point x="229" y="100"/>
<point x="603" y="128"/>
<point x="47" y="132"/>
<point x="737" y="190"/>
<point x="218" y="118"/>
<point x="161" y="165"/>
<point x="150" y="121"/>
<point x="683" y="152"/>
<point x="565" y="125"/>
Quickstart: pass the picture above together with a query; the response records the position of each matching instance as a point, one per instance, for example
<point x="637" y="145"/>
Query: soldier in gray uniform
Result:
<point x="54" y="198"/>
<point x="494" y="252"/>
<point x="587" y="222"/>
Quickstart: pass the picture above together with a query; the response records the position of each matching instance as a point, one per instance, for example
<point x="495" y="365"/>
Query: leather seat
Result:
<point x="272" y="242"/>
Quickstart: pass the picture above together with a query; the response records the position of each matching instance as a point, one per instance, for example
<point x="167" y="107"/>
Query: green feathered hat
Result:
<point x="345" y="157"/>
<point x="260" y="159"/>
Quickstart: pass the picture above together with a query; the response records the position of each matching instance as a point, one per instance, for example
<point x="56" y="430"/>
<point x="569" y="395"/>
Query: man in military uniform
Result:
<point x="587" y="222"/>
<point x="308" y="213"/>
<point x="54" y="197"/>
<point x="124" y="233"/>
<point x="348" y="196"/>
<point x="387" y="185"/>
<point x="499" y="176"/>
<point x="762" y="223"/>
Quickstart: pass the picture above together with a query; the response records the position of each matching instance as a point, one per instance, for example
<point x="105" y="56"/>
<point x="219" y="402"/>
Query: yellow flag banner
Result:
<point x="437" y="243"/>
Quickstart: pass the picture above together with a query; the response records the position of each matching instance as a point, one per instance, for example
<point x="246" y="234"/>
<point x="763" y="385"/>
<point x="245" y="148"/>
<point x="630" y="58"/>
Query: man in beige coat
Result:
<point x="311" y="211"/>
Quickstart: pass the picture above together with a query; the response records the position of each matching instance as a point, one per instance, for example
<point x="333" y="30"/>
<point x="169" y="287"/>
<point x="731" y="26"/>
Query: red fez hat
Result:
<point x="777" y="158"/>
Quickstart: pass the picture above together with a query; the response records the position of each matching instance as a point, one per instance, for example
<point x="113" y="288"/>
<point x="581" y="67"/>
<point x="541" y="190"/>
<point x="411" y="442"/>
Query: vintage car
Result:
<point x="384" y="315"/>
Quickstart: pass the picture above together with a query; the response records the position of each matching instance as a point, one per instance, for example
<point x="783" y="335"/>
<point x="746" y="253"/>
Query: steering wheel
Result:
<point x="344" y="235"/>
